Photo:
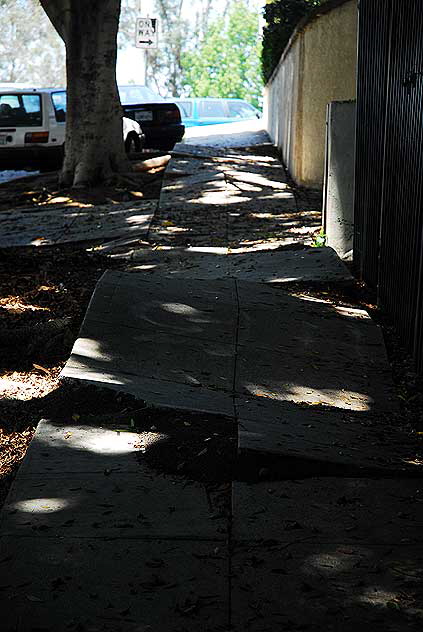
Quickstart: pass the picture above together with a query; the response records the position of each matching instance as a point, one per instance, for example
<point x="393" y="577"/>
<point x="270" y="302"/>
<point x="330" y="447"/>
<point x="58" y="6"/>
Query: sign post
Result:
<point x="146" y="33"/>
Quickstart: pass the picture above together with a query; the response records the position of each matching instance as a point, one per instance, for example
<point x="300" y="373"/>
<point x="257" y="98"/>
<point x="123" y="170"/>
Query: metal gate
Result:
<point x="388" y="241"/>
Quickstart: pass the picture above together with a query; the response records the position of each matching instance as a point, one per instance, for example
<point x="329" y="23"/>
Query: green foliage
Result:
<point x="30" y="49"/>
<point x="281" y="17"/>
<point x="227" y="61"/>
<point x="319" y="239"/>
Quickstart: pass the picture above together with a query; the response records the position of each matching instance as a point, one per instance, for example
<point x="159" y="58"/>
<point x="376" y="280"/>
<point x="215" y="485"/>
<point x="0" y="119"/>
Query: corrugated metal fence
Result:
<point x="388" y="240"/>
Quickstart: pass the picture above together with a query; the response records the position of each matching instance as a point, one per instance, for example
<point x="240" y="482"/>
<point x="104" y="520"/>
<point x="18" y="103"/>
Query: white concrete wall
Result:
<point x="318" y="66"/>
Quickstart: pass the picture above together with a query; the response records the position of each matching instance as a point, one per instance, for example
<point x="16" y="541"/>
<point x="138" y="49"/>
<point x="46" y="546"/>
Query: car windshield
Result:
<point x="138" y="94"/>
<point x="20" y="110"/>
<point x="59" y="102"/>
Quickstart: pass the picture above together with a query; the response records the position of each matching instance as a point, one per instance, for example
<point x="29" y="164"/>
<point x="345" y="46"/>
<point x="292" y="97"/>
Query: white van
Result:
<point x="32" y="128"/>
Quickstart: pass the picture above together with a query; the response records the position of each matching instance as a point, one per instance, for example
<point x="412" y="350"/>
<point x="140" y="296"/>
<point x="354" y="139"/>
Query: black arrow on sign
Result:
<point x="149" y="42"/>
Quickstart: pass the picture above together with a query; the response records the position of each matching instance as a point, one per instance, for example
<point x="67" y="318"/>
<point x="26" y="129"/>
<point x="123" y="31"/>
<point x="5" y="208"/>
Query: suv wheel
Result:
<point x="132" y="144"/>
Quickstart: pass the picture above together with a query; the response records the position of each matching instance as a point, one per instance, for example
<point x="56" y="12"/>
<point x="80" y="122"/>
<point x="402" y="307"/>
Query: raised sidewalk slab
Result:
<point x="305" y="379"/>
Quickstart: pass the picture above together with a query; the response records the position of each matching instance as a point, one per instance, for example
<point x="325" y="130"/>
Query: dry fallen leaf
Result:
<point x="40" y="368"/>
<point x="33" y="598"/>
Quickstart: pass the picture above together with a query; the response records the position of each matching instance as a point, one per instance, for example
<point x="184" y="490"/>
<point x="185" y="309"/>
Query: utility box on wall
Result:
<point x="338" y="191"/>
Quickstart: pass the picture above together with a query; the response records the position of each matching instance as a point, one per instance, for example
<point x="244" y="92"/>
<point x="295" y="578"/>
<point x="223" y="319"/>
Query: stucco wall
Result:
<point x="318" y="66"/>
<point x="281" y="99"/>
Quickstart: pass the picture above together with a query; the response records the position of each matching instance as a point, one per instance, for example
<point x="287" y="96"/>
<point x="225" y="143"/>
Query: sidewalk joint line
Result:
<point x="236" y="347"/>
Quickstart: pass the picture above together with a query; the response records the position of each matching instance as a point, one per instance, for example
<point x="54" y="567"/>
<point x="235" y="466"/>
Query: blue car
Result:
<point x="209" y="111"/>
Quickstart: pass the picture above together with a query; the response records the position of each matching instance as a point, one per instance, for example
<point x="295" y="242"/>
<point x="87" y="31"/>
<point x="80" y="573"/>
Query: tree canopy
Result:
<point x="30" y="49"/>
<point x="281" y="17"/>
<point x="227" y="61"/>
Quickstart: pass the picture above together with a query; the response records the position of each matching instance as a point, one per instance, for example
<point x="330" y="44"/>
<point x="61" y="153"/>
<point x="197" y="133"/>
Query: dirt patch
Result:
<point x="42" y="190"/>
<point x="44" y="293"/>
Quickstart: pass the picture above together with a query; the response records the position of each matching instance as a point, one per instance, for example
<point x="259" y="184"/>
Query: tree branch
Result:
<point x="58" y="12"/>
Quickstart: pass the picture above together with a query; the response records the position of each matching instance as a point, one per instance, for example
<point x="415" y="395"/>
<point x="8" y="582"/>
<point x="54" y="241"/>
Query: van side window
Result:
<point x="59" y="103"/>
<point x="211" y="109"/>
<point x="240" y="110"/>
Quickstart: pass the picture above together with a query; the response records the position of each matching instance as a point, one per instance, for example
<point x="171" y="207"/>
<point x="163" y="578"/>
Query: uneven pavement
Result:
<point x="323" y="527"/>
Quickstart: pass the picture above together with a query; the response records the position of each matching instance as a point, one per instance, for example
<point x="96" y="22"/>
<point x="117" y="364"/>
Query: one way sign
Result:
<point x="146" y="33"/>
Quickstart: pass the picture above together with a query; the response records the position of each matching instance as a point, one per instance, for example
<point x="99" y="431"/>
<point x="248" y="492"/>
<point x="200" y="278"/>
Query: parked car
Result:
<point x="160" y="119"/>
<point x="32" y="128"/>
<point x="209" y="111"/>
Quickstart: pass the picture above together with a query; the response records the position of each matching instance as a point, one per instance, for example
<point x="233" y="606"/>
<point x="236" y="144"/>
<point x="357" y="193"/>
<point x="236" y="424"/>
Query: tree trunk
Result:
<point x="94" y="148"/>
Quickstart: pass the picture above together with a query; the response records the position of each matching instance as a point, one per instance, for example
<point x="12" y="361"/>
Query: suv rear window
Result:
<point x="132" y="95"/>
<point x="185" y="108"/>
<point x="20" y="110"/>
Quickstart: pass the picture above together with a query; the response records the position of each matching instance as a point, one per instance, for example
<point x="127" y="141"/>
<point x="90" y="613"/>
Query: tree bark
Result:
<point x="94" y="148"/>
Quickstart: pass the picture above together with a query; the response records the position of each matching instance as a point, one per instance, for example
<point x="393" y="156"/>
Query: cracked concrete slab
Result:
<point x="119" y="585"/>
<point x="135" y="505"/>
<point x="92" y="450"/>
<point x="329" y="510"/>
<point x="271" y="266"/>
<point x="83" y="481"/>
<point x="185" y="307"/>
<point x="157" y="392"/>
<point x="88" y="522"/>
<point x="286" y="266"/>
<point x="295" y="439"/>
<point x="331" y="380"/>
<point x="175" y="345"/>
<point x="310" y="351"/>
<point x="333" y="586"/>
<point x="309" y="380"/>
<point x="206" y="263"/>
<point x="49" y="226"/>
<point x="137" y="351"/>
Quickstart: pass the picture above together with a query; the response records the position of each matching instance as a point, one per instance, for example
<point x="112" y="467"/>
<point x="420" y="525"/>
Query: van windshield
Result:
<point x="20" y="110"/>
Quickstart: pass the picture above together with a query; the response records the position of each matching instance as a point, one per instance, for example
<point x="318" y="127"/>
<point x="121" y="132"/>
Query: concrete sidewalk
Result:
<point x="329" y="539"/>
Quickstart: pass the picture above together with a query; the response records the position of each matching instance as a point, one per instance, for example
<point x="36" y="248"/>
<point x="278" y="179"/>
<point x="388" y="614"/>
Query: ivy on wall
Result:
<point x="281" y="17"/>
